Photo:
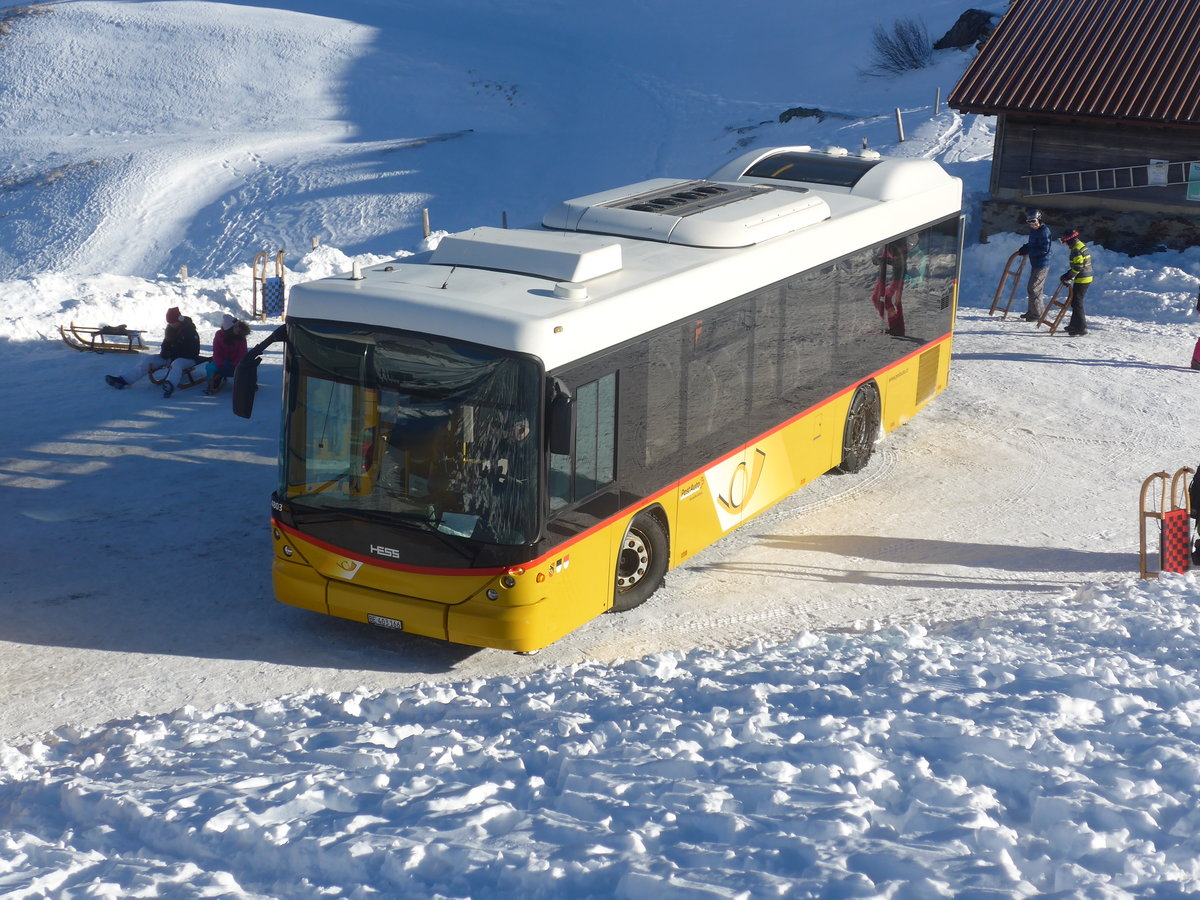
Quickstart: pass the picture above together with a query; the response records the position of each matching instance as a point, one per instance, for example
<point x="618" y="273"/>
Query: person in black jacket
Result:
<point x="1080" y="277"/>
<point x="180" y="351"/>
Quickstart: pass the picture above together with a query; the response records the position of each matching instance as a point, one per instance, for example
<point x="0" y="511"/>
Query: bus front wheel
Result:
<point x="641" y="562"/>
<point x="862" y="426"/>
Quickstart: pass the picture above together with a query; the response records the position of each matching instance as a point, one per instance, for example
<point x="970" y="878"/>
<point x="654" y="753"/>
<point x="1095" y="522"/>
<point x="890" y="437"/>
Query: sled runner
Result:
<point x="1010" y="273"/>
<point x="105" y="339"/>
<point x="1055" y="309"/>
<point x="1175" y="524"/>
<point x="191" y="376"/>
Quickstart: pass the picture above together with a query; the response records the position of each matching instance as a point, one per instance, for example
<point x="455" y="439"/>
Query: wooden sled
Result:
<point x="191" y="376"/>
<point x="268" y="292"/>
<point x="105" y="339"/>
<point x="1172" y="509"/>
<point x="1011" y="277"/>
<point x="1055" y="309"/>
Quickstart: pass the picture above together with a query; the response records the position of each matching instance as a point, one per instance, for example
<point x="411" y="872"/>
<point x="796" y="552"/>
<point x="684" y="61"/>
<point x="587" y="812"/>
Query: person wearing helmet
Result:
<point x="1037" y="250"/>
<point x="1079" y="276"/>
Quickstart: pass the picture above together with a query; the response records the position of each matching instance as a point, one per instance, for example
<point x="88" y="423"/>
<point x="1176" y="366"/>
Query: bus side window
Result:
<point x="593" y="463"/>
<point x="718" y="372"/>
<point x="663" y="391"/>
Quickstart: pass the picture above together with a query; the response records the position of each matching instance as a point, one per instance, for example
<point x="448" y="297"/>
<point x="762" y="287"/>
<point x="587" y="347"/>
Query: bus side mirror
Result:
<point x="245" y="383"/>
<point x="561" y="425"/>
<point x="245" y="375"/>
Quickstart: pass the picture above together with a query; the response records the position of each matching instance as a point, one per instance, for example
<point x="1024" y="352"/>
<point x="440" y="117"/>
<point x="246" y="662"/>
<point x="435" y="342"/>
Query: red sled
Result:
<point x="1175" y="552"/>
<point x="1172" y="509"/>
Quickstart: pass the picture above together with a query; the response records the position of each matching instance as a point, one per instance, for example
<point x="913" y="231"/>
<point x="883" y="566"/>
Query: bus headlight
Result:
<point x="493" y="594"/>
<point x="509" y="578"/>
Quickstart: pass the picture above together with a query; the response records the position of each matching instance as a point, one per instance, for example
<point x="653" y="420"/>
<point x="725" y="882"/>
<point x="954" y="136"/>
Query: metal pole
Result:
<point x="425" y="221"/>
<point x="937" y="101"/>
<point x="899" y="125"/>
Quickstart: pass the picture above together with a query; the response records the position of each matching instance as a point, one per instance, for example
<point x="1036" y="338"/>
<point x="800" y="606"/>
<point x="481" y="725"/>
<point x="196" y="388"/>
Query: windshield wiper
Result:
<point x="322" y="514"/>
<point x="425" y="520"/>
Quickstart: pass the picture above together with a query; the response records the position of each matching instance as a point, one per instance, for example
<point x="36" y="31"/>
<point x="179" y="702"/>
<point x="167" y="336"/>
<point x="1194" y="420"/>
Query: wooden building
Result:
<point x="1097" y="105"/>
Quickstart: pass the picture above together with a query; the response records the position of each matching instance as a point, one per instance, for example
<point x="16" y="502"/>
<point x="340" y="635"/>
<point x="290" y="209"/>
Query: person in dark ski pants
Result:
<point x="1037" y="250"/>
<point x="180" y="351"/>
<point x="1194" y="503"/>
<point x="1079" y="276"/>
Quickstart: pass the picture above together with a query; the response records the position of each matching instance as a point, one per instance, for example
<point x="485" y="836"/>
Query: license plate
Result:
<point x="385" y="622"/>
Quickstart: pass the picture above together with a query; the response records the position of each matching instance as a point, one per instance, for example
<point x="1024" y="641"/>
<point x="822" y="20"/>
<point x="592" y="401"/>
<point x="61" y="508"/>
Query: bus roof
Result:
<point x="609" y="266"/>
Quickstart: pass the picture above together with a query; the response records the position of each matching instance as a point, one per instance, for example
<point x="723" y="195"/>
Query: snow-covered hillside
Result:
<point x="935" y="678"/>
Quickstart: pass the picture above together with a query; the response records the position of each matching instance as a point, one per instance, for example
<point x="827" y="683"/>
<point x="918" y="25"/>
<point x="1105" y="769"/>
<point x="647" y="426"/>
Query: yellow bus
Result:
<point x="494" y="441"/>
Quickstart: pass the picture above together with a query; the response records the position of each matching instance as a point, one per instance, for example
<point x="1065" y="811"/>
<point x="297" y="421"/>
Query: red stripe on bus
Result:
<point x="607" y="523"/>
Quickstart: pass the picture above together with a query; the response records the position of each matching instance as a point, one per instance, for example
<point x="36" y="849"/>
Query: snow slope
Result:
<point x="140" y="137"/>
<point x="935" y="678"/>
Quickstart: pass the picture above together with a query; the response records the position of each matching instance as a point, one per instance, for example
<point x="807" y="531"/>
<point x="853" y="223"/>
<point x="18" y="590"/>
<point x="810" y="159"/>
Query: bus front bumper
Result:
<point x="477" y="621"/>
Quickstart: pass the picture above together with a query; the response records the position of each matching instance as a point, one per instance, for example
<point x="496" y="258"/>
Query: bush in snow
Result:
<point x="904" y="48"/>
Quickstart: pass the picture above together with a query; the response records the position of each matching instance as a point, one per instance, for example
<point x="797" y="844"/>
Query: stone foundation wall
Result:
<point x="1132" y="233"/>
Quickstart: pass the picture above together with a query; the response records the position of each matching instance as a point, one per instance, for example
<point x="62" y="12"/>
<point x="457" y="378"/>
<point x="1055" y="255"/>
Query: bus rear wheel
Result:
<point x="862" y="426"/>
<point x="641" y="562"/>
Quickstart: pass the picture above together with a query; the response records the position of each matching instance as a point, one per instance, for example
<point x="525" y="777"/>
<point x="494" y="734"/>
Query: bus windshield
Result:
<point x="412" y="431"/>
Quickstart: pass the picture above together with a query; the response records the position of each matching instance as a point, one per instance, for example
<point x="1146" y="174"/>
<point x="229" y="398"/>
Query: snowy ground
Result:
<point x="939" y="677"/>
<point x="1049" y="752"/>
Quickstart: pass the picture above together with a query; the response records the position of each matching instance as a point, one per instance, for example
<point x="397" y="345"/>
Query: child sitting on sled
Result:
<point x="229" y="346"/>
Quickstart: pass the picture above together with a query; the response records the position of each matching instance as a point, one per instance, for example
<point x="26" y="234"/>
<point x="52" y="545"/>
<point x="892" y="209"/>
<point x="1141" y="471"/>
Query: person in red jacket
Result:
<point x="229" y="346"/>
